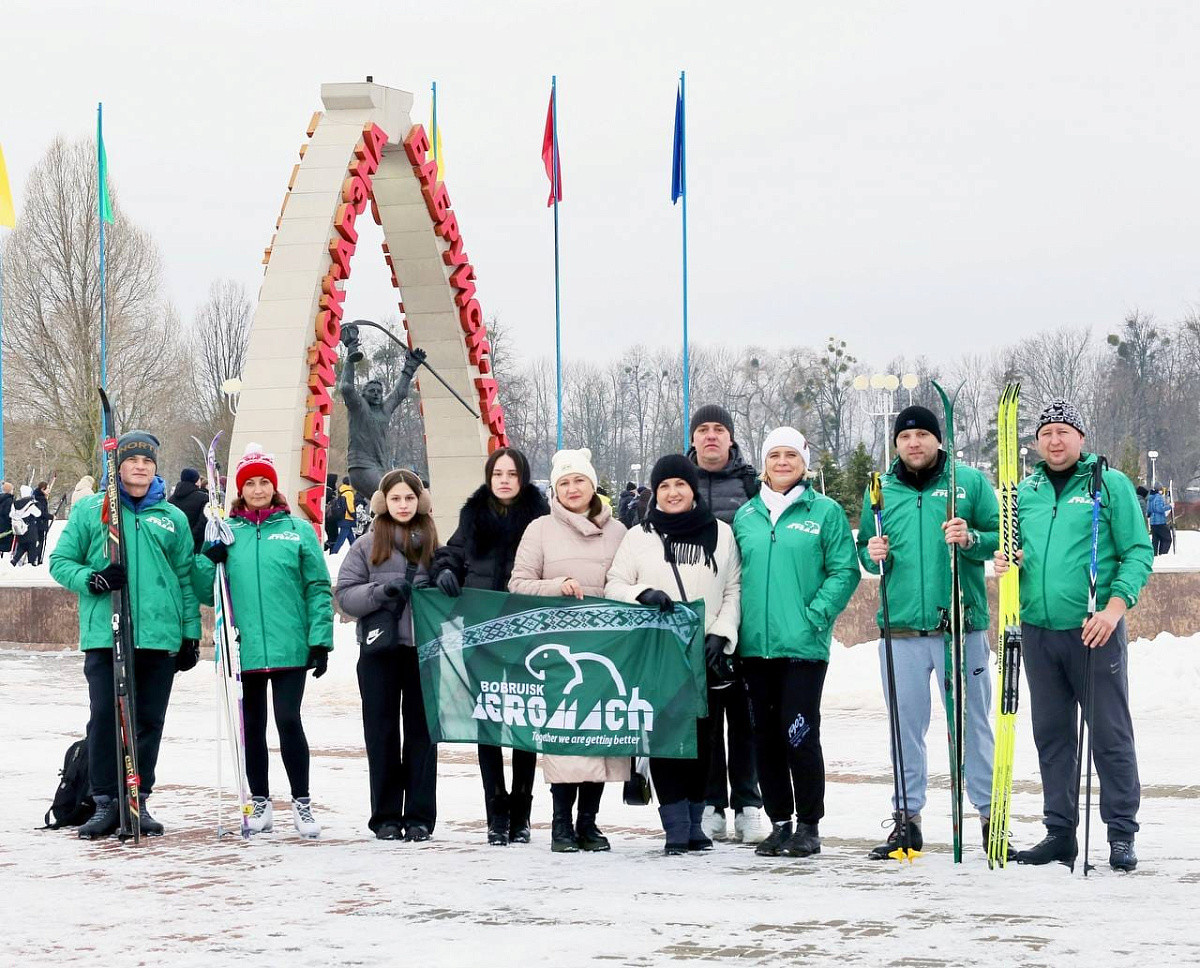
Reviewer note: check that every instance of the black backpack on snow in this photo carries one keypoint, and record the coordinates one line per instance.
(72, 806)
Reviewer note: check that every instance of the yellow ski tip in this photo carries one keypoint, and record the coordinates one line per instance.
(909, 855)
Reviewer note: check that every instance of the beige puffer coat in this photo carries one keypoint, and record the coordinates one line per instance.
(556, 547)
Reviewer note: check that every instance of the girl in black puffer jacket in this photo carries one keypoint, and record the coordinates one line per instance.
(480, 554)
(375, 585)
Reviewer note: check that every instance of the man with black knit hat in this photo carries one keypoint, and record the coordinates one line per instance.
(726, 482)
(191, 499)
(915, 545)
(157, 577)
(1054, 505)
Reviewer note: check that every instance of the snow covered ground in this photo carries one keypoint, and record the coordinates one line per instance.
(347, 899)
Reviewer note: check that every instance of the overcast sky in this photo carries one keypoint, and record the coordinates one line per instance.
(915, 177)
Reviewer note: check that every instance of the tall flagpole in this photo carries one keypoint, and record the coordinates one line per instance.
(434, 133)
(555, 177)
(100, 166)
(687, 407)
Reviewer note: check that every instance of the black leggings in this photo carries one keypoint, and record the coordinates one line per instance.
(563, 795)
(287, 692)
(785, 710)
(676, 780)
(491, 769)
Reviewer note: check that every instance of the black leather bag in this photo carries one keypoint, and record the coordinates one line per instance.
(636, 790)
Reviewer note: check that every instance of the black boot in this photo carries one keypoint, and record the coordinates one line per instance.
(804, 842)
(105, 820)
(1011, 852)
(588, 835)
(1121, 856)
(497, 817)
(677, 823)
(1058, 845)
(773, 845)
(895, 840)
(520, 805)
(150, 826)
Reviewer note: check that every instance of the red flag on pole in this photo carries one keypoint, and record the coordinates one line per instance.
(550, 156)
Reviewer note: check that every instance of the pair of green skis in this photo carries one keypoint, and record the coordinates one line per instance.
(1009, 665)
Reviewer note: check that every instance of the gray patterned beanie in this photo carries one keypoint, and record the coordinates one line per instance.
(1063, 412)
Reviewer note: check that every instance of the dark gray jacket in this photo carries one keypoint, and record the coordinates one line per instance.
(360, 584)
(726, 490)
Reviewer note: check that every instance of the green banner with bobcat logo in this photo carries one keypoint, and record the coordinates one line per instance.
(561, 675)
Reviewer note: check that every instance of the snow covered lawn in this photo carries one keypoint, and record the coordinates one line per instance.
(347, 899)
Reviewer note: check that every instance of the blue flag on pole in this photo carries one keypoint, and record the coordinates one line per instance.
(678, 163)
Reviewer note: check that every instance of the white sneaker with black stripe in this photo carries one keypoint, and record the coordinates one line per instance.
(302, 817)
(261, 816)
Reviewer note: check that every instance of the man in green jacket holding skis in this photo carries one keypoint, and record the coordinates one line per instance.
(915, 545)
(1054, 506)
(157, 577)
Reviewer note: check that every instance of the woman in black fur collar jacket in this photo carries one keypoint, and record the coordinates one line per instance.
(480, 554)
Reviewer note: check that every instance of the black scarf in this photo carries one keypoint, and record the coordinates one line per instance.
(688, 536)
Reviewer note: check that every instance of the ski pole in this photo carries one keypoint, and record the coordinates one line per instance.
(899, 780)
(1085, 711)
(390, 335)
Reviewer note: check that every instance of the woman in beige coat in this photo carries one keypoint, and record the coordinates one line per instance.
(568, 553)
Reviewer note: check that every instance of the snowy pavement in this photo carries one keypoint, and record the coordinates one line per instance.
(347, 899)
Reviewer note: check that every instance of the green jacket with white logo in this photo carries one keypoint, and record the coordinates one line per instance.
(1056, 537)
(797, 576)
(158, 566)
(918, 564)
(280, 589)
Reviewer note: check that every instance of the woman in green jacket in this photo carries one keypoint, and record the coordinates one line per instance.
(282, 605)
(798, 572)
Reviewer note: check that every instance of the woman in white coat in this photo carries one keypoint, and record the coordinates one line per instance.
(568, 553)
(680, 533)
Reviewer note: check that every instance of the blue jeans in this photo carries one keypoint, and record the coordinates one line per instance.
(916, 660)
(345, 533)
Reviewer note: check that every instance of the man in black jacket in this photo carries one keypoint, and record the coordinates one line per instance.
(726, 483)
(6, 532)
(191, 499)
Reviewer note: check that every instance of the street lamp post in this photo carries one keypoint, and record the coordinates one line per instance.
(1024, 454)
(1153, 455)
(885, 386)
(637, 473)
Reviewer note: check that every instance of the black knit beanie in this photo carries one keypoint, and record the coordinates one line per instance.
(710, 413)
(675, 465)
(189, 475)
(916, 418)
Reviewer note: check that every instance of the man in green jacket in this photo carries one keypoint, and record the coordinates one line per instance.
(157, 577)
(1054, 505)
(915, 544)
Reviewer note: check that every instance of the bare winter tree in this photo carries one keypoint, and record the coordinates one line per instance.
(52, 311)
(220, 337)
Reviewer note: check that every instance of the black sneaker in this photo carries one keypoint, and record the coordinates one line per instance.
(389, 831)
(1011, 852)
(1121, 856)
(417, 833)
(588, 836)
(773, 845)
(1057, 846)
(895, 840)
(562, 836)
(150, 826)
(804, 842)
(105, 820)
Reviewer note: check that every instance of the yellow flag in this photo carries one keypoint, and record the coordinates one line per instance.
(437, 150)
(8, 215)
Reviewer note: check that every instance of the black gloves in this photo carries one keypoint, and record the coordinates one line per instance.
(447, 581)
(188, 655)
(397, 592)
(652, 596)
(721, 669)
(415, 358)
(217, 553)
(109, 579)
(318, 660)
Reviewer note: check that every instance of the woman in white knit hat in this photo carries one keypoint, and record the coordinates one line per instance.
(568, 553)
(799, 569)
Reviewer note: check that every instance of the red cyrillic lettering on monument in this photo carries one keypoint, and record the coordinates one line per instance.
(356, 190)
(328, 328)
(455, 254)
(416, 145)
(314, 463)
(314, 428)
(340, 251)
(470, 317)
(437, 199)
(333, 300)
(374, 138)
(447, 228)
(310, 500)
(463, 279)
(344, 222)
(318, 396)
